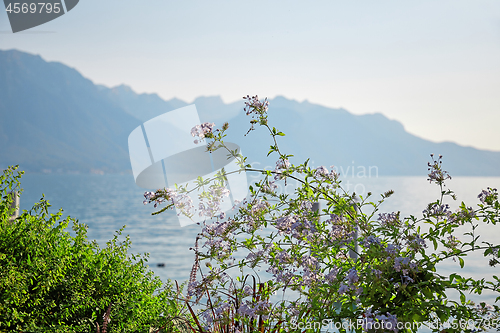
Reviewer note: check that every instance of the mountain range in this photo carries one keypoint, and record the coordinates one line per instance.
(52, 118)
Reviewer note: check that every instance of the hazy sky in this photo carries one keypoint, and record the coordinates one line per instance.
(432, 65)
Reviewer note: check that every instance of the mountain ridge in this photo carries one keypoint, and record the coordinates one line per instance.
(52, 117)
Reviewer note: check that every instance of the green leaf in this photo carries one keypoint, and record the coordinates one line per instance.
(461, 262)
(462, 297)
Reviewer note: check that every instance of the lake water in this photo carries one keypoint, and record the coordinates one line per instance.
(107, 202)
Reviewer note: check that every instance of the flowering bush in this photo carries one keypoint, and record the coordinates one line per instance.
(346, 267)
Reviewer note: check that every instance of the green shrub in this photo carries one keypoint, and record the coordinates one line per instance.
(51, 281)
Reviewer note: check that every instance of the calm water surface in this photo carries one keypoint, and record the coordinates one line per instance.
(108, 202)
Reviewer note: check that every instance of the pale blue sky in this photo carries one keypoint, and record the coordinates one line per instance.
(433, 65)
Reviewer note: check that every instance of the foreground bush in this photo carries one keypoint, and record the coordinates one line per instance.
(344, 268)
(51, 281)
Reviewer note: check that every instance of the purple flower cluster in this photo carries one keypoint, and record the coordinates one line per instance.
(323, 173)
(253, 309)
(388, 219)
(343, 288)
(285, 223)
(255, 256)
(377, 272)
(281, 164)
(202, 130)
(253, 105)
(340, 233)
(352, 276)
(404, 264)
(415, 243)
(211, 207)
(180, 201)
(436, 173)
(438, 211)
(462, 215)
(269, 187)
(375, 321)
(371, 240)
(352, 279)
(488, 196)
(215, 314)
(392, 249)
(150, 197)
(296, 226)
(331, 277)
(452, 242)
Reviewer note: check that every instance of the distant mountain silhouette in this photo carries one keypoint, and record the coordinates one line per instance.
(54, 118)
(51, 117)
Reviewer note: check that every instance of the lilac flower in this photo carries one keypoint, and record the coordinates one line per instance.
(452, 242)
(285, 223)
(149, 196)
(211, 207)
(293, 309)
(391, 323)
(281, 164)
(388, 219)
(437, 211)
(246, 311)
(370, 240)
(283, 256)
(251, 310)
(368, 320)
(377, 272)
(218, 228)
(253, 105)
(259, 207)
(352, 276)
(306, 205)
(202, 130)
(392, 249)
(462, 215)
(262, 254)
(399, 262)
(339, 231)
(321, 172)
(416, 243)
(310, 276)
(309, 262)
(436, 174)
(281, 275)
(247, 290)
(343, 288)
(406, 279)
(488, 196)
(269, 187)
(332, 275)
